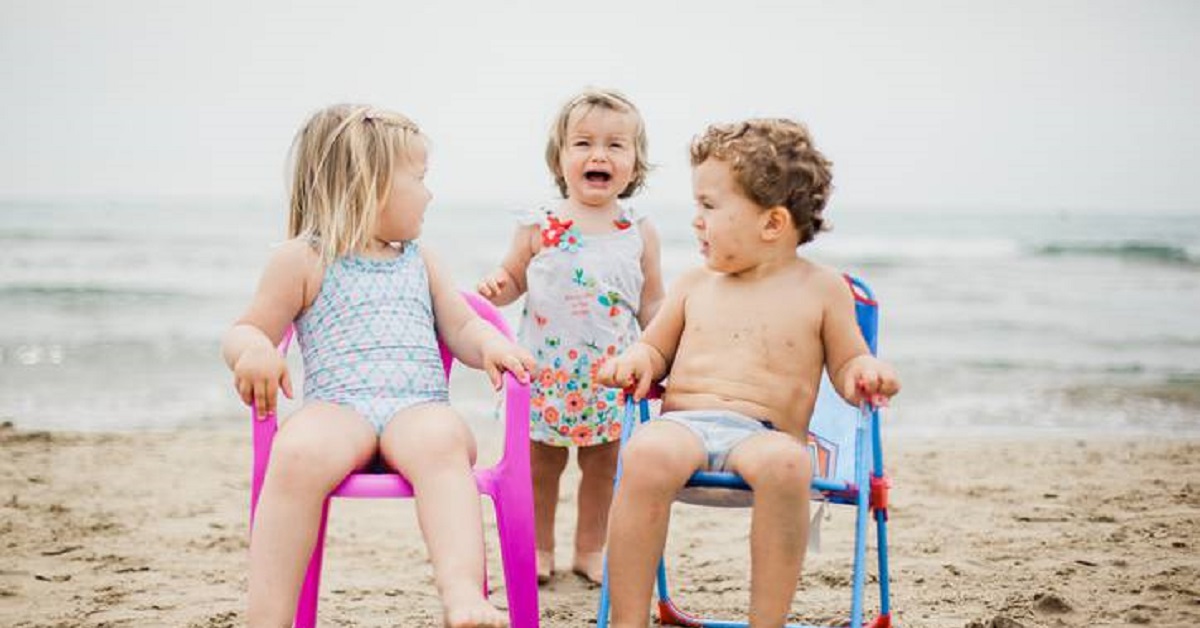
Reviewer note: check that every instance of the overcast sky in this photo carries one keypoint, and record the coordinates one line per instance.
(1023, 105)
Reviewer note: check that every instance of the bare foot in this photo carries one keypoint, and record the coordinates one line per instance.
(590, 565)
(468, 609)
(545, 566)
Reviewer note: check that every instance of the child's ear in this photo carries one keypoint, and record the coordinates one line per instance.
(776, 221)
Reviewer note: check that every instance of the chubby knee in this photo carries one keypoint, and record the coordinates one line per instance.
(447, 438)
(428, 434)
(548, 459)
(659, 458)
(642, 452)
(307, 463)
(779, 463)
(599, 460)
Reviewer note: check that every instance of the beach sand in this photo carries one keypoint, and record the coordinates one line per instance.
(149, 529)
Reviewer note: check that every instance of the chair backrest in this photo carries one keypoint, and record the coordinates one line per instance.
(831, 439)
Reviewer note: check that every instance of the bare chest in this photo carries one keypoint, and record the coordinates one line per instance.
(760, 326)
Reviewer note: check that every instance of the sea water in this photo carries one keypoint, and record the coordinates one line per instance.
(111, 312)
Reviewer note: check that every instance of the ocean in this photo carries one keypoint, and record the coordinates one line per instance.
(111, 312)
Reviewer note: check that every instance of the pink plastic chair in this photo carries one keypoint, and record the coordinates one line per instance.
(508, 483)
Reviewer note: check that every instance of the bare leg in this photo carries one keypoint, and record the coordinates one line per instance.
(657, 462)
(312, 452)
(546, 463)
(598, 464)
(435, 450)
(777, 467)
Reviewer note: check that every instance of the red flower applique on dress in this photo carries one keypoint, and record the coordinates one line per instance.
(560, 234)
(553, 231)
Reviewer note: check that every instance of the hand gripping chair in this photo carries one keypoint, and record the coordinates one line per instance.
(844, 444)
(508, 483)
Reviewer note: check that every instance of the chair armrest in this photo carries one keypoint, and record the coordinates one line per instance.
(263, 432)
(516, 394)
(516, 423)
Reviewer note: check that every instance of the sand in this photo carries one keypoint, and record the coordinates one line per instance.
(1045, 529)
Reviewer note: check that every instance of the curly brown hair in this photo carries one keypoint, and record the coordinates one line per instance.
(775, 164)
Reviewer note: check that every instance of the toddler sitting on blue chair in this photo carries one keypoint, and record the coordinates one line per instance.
(744, 340)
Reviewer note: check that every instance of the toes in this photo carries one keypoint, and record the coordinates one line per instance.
(590, 566)
(483, 615)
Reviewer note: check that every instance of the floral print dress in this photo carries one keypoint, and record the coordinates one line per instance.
(581, 308)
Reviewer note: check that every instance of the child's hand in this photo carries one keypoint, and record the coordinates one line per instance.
(259, 374)
(500, 356)
(634, 367)
(491, 286)
(870, 379)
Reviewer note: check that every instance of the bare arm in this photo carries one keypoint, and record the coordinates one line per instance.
(507, 283)
(249, 346)
(854, 372)
(649, 359)
(470, 338)
(652, 285)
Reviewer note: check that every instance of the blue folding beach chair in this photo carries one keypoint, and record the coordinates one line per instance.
(844, 444)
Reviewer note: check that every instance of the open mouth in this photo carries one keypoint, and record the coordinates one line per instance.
(597, 176)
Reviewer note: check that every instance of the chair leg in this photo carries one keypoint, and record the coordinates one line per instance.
(602, 607)
(668, 613)
(310, 592)
(514, 523)
(862, 514)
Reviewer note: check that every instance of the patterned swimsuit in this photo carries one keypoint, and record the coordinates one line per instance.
(581, 307)
(368, 340)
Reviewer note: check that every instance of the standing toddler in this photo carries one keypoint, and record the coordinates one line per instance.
(590, 269)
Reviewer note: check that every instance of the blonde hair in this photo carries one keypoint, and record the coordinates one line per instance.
(775, 164)
(342, 164)
(589, 99)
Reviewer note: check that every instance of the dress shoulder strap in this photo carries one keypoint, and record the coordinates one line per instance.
(535, 216)
(631, 212)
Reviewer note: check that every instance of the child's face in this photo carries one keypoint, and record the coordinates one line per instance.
(727, 223)
(403, 209)
(598, 155)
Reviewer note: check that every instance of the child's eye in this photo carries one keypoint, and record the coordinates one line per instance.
(616, 145)
(581, 143)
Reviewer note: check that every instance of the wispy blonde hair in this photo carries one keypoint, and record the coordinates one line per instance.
(588, 100)
(775, 164)
(342, 164)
